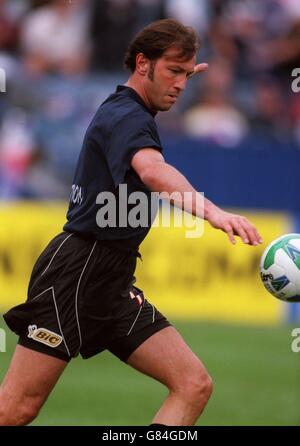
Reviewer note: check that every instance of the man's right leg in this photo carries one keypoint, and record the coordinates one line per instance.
(27, 384)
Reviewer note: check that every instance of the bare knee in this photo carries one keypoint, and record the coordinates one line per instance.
(198, 388)
(204, 386)
(194, 386)
(18, 411)
(28, 411)
(24, 415)
(19, 416)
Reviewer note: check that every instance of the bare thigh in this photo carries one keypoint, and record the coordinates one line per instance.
(30, 377)
(166, 357)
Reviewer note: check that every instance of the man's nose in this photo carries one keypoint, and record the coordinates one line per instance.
(180, 84)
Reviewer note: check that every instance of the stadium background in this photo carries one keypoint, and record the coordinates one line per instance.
(235, 134)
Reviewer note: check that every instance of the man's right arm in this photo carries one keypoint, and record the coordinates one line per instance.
(160, 177)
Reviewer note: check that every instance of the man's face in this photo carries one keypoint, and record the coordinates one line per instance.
(166, 79)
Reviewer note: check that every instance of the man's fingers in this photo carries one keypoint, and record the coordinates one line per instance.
(199, 69)
(237, 225)
(252, 232)
(228, 229)
(248, 233)
(258, 236)
(254, 236)
(241, 232)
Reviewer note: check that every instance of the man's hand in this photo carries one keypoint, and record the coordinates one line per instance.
(198, 69)
(233, 225)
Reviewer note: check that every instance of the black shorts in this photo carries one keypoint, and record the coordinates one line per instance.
(81, 299)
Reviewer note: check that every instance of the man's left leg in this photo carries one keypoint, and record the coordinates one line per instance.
(166, 357)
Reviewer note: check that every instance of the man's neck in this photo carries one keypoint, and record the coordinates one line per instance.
(138, 87)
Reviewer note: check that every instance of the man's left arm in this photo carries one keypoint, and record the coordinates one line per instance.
(160, 177)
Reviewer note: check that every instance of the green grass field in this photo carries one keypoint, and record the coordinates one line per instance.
(256, 381)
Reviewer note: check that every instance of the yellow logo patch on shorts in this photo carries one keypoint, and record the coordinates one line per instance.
(44, 336)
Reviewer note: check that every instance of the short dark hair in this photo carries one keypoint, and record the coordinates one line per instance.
(159, 36)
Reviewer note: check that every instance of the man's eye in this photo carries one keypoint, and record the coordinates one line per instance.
(174, 71)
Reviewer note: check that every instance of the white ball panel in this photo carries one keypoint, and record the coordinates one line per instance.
(288, 266)
(295, 242)
(288, 291)
(275, 269)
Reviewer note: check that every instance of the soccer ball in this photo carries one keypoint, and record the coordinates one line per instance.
(280, 268)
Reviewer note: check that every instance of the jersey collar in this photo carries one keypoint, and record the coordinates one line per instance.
(135, 96)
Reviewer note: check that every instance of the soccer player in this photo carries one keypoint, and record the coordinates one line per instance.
(81, 296)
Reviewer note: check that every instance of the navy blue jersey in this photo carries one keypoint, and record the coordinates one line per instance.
(122, 125)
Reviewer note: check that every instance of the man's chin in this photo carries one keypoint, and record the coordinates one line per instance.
(165, 107)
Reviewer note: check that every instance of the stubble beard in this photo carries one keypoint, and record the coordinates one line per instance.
(151, 78)
(151, 70)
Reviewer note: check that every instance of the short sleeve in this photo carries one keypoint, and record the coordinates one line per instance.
(132, 133)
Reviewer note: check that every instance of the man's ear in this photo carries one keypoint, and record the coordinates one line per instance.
(142, 64)
(145, 68)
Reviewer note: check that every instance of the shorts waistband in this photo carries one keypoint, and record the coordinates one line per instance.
(119, 245)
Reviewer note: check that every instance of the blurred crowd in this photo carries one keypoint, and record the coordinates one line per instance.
(62, 58)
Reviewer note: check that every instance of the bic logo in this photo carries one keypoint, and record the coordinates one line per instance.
(44, 336)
